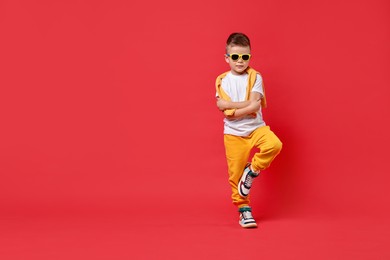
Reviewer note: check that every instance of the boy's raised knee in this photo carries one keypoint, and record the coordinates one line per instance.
(277, 146)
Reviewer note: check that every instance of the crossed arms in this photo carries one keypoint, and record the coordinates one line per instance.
(243, 108)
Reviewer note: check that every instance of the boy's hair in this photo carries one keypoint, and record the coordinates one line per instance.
(238, 39)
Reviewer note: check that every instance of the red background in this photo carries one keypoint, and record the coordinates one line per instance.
(111, 143)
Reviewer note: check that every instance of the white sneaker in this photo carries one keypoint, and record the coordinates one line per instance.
(246, 218)
(246, 180)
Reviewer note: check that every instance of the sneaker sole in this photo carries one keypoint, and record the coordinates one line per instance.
(240, 192)
(249, 225)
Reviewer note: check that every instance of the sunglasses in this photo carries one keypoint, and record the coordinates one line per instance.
(235, 56)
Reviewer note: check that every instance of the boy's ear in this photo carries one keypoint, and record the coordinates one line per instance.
(226, 58)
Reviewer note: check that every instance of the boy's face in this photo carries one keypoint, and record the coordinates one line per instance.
(239, 66)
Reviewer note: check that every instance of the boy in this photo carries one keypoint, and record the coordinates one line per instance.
(240, 95)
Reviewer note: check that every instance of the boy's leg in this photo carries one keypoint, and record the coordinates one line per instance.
(237, 154)
(269, 145)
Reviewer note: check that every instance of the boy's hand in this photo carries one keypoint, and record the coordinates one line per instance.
(222, 104)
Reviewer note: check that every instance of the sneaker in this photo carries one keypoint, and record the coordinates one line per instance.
(246, 219)
(245, 183)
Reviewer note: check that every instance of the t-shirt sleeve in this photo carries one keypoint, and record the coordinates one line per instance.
(258, 87)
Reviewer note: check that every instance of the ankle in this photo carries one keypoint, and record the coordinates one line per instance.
(244, 208)
(252, 170)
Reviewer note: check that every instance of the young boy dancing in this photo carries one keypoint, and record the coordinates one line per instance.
(240, 95)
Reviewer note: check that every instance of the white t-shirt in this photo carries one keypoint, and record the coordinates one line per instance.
(235, 87)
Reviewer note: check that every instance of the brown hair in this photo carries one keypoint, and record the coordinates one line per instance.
(238, 39)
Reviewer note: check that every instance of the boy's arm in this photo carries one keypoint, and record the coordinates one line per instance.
(253, 105)
(223, 104)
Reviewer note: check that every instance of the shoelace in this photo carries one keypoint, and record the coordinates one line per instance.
(247, 215)
(248, 181)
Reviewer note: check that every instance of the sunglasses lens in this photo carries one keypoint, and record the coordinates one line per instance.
(234, 56)
(245, 57)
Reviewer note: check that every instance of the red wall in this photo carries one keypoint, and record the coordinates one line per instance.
(109, 104)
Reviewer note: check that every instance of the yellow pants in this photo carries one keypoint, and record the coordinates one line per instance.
(238, 150)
